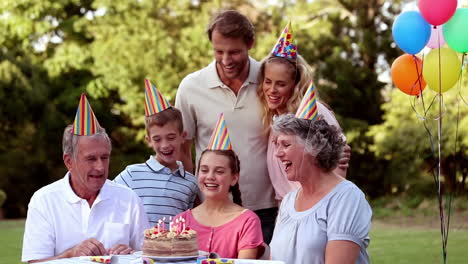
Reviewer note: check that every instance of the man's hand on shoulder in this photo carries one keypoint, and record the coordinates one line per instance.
(343, 163)
(89, 247)
(120, 249)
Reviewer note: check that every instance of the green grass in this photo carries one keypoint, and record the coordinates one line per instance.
(389, 244)
(393, 244)
(11, 241)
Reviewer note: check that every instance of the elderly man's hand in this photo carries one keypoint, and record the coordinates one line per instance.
(89, 247)
(120, 249)
(345, 157)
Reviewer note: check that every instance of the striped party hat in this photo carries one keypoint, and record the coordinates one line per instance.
(85, 123)
(308, 107)
(285, 46)
(220, 138)
(154, 100)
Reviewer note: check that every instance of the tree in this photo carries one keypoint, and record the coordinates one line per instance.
(411, 150)
(349, 43)
(52, 51)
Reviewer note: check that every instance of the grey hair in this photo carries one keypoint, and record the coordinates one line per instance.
(70, 140)
(321, 140)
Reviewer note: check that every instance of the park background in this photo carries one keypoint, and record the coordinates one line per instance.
(53, 50)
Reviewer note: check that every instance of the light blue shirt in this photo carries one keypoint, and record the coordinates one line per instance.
(302, 237)
(164, 193)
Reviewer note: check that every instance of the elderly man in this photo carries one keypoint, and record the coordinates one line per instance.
(83, 214)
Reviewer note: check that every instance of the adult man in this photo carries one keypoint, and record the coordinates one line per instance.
(228, 85)
(83, 214)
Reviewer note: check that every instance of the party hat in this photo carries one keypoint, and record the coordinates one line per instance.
(220, 138)
(308, 107)
(85, 123)
(154, 100)
(285, 46)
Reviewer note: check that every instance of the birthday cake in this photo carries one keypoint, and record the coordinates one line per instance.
(178, 240)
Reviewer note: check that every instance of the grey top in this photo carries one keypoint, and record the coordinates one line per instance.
(302, 237)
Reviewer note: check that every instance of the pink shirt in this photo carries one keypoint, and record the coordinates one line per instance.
(278, 177)
(243, 232)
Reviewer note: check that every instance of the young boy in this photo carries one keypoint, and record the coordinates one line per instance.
(163, 185)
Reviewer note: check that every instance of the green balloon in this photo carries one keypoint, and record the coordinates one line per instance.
(456, 31)
(449, 67)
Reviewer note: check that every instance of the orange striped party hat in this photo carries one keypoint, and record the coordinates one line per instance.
(285, 47)
(308, 107)
(220, 138)
(85, 123)
(154, 100)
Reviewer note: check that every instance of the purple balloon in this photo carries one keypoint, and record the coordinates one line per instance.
(437, 39)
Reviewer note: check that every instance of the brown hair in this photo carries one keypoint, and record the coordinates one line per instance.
(300, 72)
(234, 165)
(162, 118)
(232, 24)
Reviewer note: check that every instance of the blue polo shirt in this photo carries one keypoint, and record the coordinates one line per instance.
(163, 193)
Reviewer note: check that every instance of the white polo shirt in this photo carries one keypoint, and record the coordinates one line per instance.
(201, 97)
(58, 219)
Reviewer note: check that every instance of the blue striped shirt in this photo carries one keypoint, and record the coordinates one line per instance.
(163, 193)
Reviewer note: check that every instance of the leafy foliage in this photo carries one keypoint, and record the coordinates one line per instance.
(408, 140)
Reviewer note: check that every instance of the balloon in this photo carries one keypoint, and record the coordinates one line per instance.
(405, 71)
(437, 38)
(411, 32)
(437, 12)
(456, 31)
(450, 66)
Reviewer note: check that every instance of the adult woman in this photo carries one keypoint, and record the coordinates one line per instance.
(326, 220)
(284, 79)
(223, 226)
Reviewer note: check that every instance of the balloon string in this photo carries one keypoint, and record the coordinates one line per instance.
(419, 75)
(418, 81)
(461, 78)
(450, 198)
(439, 189)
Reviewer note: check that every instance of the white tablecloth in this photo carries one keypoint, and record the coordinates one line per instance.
(116, 259)
(127, 259)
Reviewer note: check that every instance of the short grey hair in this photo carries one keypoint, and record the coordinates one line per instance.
(321, 140)
(70, 140)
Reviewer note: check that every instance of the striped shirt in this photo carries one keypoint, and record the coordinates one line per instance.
(163, 193)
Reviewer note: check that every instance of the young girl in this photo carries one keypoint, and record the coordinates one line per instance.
(284, 78)
(223, 226)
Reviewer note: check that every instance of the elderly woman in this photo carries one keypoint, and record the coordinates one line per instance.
(326, 220)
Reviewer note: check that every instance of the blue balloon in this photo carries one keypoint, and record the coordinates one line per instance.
(411, 32)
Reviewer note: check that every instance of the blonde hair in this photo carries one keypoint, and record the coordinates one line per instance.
(300, 71)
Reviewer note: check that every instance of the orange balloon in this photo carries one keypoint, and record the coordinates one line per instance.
(407, 74)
